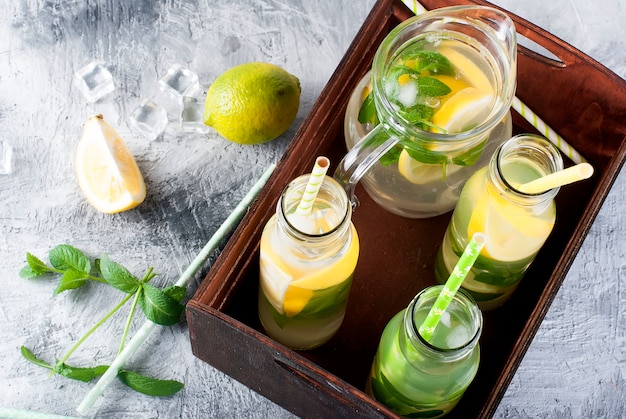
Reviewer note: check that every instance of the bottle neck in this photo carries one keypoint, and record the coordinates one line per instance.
(455, 336)
(326, 230)
(511, 164)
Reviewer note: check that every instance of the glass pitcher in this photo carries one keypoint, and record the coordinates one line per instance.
(432, 111)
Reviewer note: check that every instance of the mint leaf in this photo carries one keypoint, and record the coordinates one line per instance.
(70, 280)
(30, 357)
(391, 157)
(424, 155)
(429, 86)
(117, 276)
(64, 257)
(367, 113)
(80, 373)
(431, 61)
(158, 306)
(148, 385)
(175, 292)
(34, 268)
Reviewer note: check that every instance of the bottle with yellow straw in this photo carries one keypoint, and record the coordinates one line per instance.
(429, 353)
(512, 202)
(308, 254)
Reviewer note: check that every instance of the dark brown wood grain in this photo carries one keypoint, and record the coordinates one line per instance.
(579, 98)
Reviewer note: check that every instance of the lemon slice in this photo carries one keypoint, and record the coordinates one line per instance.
(510, 236)
(467, 69)
(275, 275)
(300, 291)
(467, 108)
(420, 173)
(107, 173)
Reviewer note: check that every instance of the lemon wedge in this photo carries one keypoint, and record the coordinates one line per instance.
(420, 173)
(107, 172)
(467, 108)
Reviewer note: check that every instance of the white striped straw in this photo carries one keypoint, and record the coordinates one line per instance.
(524, 110)
(144, 331)
(313, 186)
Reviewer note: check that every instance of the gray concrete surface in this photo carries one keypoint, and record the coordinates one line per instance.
(574, 368)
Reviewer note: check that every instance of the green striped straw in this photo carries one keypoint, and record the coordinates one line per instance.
(313, 186)
(144, 331)
(452, 285)
(524, 110)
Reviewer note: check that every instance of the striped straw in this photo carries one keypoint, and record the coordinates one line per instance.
(548, 132)
(524, 110)
(452, 285)
(144, 331)
(313, 186)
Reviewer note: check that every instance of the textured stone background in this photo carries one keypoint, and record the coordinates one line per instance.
(575, 366)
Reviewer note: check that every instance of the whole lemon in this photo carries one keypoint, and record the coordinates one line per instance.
(252, 103)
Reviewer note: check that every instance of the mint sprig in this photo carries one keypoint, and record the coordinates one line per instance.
(160, 305)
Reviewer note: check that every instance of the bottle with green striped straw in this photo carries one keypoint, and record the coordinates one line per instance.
(429, 353)
(308, 254)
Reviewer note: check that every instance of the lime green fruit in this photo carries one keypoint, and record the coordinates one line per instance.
(252, 103)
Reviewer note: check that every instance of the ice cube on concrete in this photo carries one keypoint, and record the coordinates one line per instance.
(191, 115)
(94, 81)
(180, 81)
(149, 119)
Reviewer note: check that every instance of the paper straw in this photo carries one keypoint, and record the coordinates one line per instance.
(554, 180)
(12, 413)
(524, 110)
(548, 132)
(452, 285)
(143, 333)
(313, 186)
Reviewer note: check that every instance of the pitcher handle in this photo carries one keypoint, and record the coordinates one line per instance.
(361, 158)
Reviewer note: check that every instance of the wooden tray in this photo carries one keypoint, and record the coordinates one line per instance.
(579, 98)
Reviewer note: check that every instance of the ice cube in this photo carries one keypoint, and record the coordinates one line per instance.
(149, 119)
(6, 158)
(94, 81)
(180, 81)
(191, 115)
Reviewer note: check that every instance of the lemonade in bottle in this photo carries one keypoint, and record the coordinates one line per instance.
(516, 224)
(306, 265)
(426, 379)
(433, 109)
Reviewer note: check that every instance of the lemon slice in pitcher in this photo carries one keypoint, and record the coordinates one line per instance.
(420, 173)
(466, 109)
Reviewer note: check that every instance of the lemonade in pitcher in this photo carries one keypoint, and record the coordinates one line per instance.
(307, 264)
(437, 102)
(516, 224)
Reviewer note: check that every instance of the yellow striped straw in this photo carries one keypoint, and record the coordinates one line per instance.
(524, 110)
(313, 186)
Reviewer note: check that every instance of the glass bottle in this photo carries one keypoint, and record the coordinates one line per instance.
(416, 378)
(516, 224)
(307, 265)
